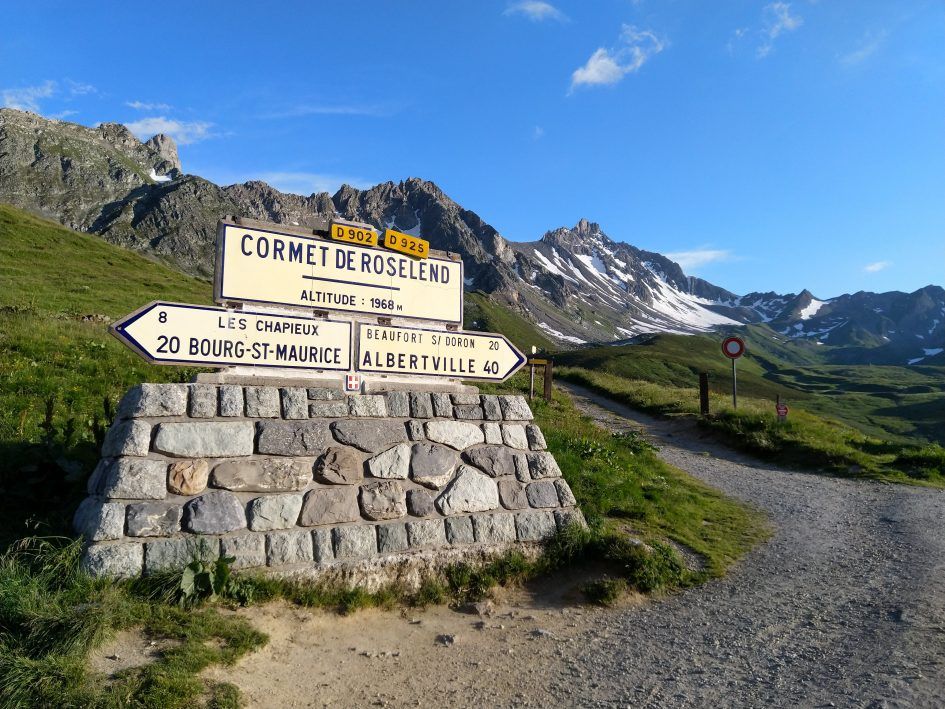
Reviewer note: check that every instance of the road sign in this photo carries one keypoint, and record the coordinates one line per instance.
(266, 266)
(352, 382)
(354, 233)
(782, 410)
(733, 347)
(406, 243)
(464, 355)
(175, 333)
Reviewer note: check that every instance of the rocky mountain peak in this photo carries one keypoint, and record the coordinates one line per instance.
(118, 135)
(165, 146)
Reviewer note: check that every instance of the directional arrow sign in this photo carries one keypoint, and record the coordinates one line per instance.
(464, 355)
(175, 333)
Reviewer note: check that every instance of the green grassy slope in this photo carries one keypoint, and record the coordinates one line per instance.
(58, 292)
(482, 313)
(899, 404)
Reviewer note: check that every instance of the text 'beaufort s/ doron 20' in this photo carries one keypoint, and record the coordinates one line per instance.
(255, 265)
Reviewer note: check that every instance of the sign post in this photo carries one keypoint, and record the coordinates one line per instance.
(733, 348)
(176, 333)
(781, 410)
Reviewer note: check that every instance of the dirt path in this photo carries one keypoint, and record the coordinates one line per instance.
(845, 606)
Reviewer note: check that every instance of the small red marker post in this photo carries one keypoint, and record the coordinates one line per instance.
(733, 348)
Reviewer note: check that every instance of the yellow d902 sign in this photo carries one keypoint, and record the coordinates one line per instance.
(406, 244)
(356, 234)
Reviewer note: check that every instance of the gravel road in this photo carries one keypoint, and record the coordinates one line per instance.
(844, 606)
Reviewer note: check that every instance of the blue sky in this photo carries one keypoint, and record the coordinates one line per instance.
(767, 145)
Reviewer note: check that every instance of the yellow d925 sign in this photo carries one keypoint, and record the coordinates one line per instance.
(354, 233)
(406, 244)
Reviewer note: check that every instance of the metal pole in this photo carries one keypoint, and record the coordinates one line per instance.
(734, 387)
(531, 382)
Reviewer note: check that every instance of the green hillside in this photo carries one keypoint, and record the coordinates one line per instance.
(482, 313)
(900, 404)
(59, 290)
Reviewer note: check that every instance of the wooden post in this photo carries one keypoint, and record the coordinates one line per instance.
(704, 394)
(548, 376)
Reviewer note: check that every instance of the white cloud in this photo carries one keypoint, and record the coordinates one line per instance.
(145, 106)
(306, 183)
(536, 11)
(778, 20)
(877, 266)
(608, 66)
(77, 88)
(689, 260)
(27, 98)
(538, 133)
(184, 132)
(327, 110)
(867, 48)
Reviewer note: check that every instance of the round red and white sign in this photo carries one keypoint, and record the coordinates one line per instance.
(733, 347)
(782, 409)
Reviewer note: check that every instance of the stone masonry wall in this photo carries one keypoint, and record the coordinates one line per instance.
(304, 480)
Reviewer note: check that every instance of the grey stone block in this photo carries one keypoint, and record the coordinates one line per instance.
(99, 521)
(173, 554)
(131, 437)
(383, 500)
(471, 413)
(426, 534)
(135, 479)
(521, 468)
(515, 408)
(535, 526)
(188, 477)
(470, 491)
(542, 494)
(321, 545)
(262, 402)
(152, 519)
(420, 503)
(96, 481)
(270, 512)
(293, 438)
(442, 405)
(117, 561)
(292, 547)
(330, 505)
(205, 439)
(456, 434)
(247, 550)
(536, 439)
(512, 495)
(231, 400)
(415, 431)
(323, 394)
(542, 465)
(339, 465)
(495, 461)
(491, 410)
(372, 405)
(262, 475)
(465, 399)
(493, 433)
(355, 541)
(565, 518)
(215, 512)
(392, 538)
(328, 409)
(203, 401)
(494, 529)
(513, 435)
(421, 405)
(371, 436)
(154, 400)
(394, 463)
(294, 403)
(431, 465)
(459, 530)
(565, 496)
(398, 404)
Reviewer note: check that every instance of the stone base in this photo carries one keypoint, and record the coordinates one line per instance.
(311, 482)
